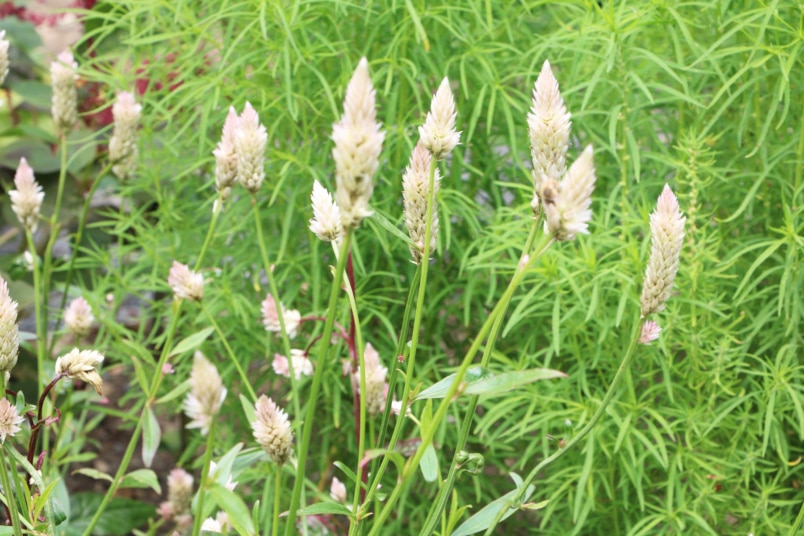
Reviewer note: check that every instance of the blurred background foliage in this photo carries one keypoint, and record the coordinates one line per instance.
(706, 435)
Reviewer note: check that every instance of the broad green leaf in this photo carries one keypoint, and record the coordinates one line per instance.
(192, 342)
(235, 508)
(141, 478)
(486, 515)
(151, 436)
(120, 517)
(440, 389)
(508, 381)
(429, 464)
(248, 409)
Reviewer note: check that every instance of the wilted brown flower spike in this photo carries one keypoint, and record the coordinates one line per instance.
(123, 148)
(272, 430)
(64, 104)
(438, 133)
(415, 192)
(206, 394)
(27, 199)
(9, 331)
(82, 365)
(358, 143)
(667, 235)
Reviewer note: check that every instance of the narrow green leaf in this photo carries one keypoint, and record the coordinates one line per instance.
(328, 507)
(191, 342)
(141, 478)
(508, 381)
(429, 464)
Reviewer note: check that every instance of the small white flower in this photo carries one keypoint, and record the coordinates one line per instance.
(549, 130)
(123, 150)
(9, 420)
(64, 104)
(250, 139)
(302, 366)
(78, 317)
(667, 235)
(82, 365)
(567, 205)
(9, 330)
(27, 199)
(272, 430)
(270, 317)
(376, 386)
(650, 332)
(226, 157)
(337, 490)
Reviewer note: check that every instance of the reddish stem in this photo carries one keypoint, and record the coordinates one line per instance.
(35, 428)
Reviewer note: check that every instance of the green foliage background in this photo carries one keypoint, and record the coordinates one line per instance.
(707, 431)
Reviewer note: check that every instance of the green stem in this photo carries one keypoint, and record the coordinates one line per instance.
(77, 241)
(417, 321)
(427, 435)
(210, 233)
(444, 491)
(10, 499)
(361, 443)
(202, 489)
(612, 391)
(132, 443)
(275, 294)
(41, 335)
(312, 400)
(243, 376)
(275, 517)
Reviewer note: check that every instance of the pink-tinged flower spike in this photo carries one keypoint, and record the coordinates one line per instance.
(226, 157)
(358, 143)
(82, 365)
(302, 366)
(9, 420)
(337, 490)
(438, 133)
(650, 332)
(272, 430)
(185, 283)
(667, 234)
(64, 104)
(78, 317)
(326, 222)
(3, 56)
(566, 205)
(249, 146)
(123, 150)
(27, 199)
(270, 317)
(206, 394)
(376, 387)
(549, 131)
(9, 330)
(180, 496)
(415, 192)
(219, 524)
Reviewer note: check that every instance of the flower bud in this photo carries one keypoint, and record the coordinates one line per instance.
(438, 133)
(78, 317)
(270, 317)
(337, 490)
(64, 104)
(123, 148)
(82, 365)
(272, 430)
(185, 283)
(27, 199)
(9, 420)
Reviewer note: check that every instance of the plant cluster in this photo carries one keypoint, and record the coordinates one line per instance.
(577, 338)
